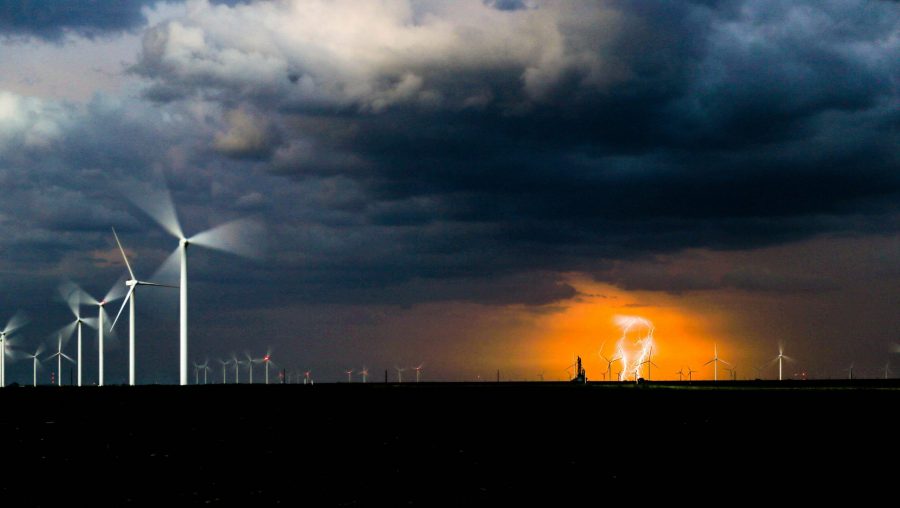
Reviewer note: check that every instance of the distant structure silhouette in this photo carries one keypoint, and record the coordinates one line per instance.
(580, 374)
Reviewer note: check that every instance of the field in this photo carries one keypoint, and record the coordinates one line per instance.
(458, 444)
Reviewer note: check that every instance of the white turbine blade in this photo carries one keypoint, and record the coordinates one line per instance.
(154, 284)
(709, 362)
(244, 237)
(127, 264)
(71, 294)
(17, 321)
(157, 203)
(116, 291)
(67, 357)
(66, 332)
(170, 269)
(92, 322)
(15, 355)
(788, 358)
(726, 363)
(124, 303)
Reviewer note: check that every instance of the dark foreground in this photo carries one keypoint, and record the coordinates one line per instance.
(504, 444)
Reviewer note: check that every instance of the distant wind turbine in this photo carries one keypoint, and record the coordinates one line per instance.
(59, 357)
(132, 284)
(17, 321)
(364, 373)
(349, 375)
(680, 374)
(224, 367)
(648, 362)
(780, 358)
(237, 237)
(716, 361)
(418, 371)
(690, 374)
(74, 297)
(36, 363)
(267, 360)
(608, 362)
(399, 374)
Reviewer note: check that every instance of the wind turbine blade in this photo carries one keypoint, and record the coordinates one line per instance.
(157, 203)
(66, 331)
(16, 355)
(788, 358)
(17, 321)
(127, 264)
(67, 357)
(92, 322)
(709, 362)
(71, 294)
(726, 363)
(170, 269)
(244, 237)
(157, 285)
(116, 291)
(124, 303)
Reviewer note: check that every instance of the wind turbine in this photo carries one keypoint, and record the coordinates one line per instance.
(649, 362)
(237, 365)
(690, 374)
(132, 284)
(733, 373)
(541, 375)
(364, 373)
(399, 374)
(418, 371)
(74, 295)
(850, 370)
(680, 374)
(887, 369)
(36, 363)
(196, 373)
(224, 366)
(17, 321)
(250, 362)
(59, 357)
(781, 356)
(267, 360)
(349, 375)
(608, 362)
(206, 369)
(716, 360)
(232, 237)
(307, 377)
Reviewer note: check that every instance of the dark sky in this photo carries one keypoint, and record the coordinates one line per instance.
(440, 180)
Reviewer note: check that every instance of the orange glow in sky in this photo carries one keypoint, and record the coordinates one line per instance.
(683, 338)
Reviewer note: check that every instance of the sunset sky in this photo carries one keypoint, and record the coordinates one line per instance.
(473, 184)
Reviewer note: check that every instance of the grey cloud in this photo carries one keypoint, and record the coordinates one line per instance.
(51, 20)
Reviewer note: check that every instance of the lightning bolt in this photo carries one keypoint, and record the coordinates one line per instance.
(634, 345)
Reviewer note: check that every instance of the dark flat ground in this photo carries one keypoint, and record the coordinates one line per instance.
(443, 443)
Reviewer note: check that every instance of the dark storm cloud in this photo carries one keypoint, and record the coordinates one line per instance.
(50, 19)
(560, 136)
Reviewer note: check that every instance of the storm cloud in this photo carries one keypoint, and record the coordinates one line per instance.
(561, 134)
